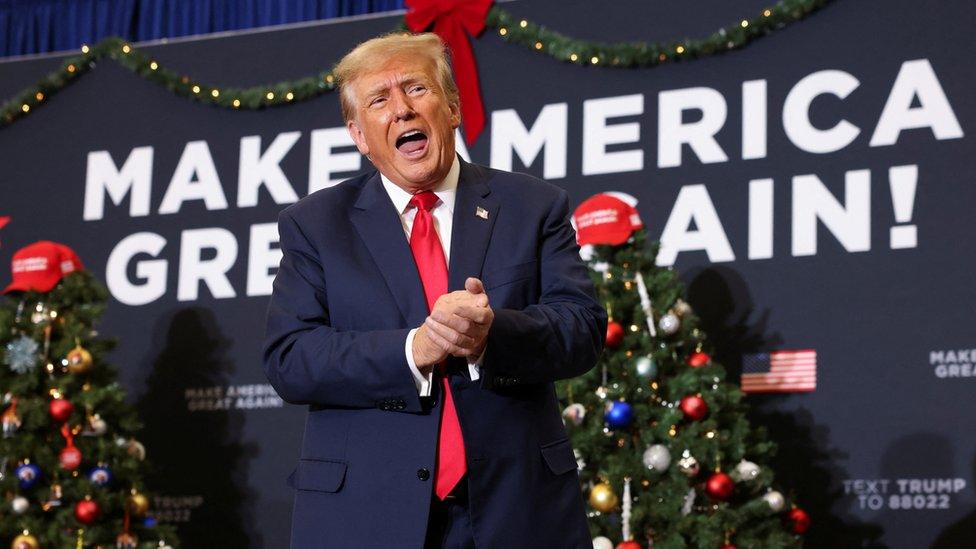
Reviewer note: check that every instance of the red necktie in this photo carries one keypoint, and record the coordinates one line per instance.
(429, 256)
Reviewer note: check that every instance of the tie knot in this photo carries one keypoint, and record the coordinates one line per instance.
(424, 200)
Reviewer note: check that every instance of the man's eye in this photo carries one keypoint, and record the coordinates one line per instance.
(418, 89)
(377, 102)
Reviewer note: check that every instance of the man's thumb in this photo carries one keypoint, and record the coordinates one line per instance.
(474, 285)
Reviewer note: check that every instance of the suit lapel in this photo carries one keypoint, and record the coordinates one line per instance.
(378, 223)
(475, 212)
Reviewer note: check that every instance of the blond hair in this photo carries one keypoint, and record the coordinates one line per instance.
(374, 52)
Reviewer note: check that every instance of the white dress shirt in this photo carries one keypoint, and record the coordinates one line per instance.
(443, 214)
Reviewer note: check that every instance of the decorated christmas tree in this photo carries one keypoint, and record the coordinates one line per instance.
(70, 465)
(666, 454)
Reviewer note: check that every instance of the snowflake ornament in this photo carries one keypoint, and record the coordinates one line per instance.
(21, 354)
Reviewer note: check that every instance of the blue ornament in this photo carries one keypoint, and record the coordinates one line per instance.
(100, 476)
(28, 474)
(149, 521)
(21, 354)
(619, 415)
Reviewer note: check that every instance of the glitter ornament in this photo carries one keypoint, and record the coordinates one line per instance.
(657, 458)
(669, 323)
(19, 505)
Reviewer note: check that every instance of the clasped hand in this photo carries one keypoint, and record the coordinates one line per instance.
(458, 326)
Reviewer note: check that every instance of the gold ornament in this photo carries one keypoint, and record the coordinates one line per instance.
(602, 498)
(79, 360)
(25, 541)
(138, 504)
(136, 449)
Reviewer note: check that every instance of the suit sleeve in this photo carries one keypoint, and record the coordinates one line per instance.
(307, 361)
(562, 335)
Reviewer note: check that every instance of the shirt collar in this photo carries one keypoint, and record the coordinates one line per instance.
(446, 190)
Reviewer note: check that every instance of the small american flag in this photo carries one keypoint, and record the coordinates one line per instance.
(780, 371)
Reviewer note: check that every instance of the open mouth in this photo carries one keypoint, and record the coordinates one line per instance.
(412, 143)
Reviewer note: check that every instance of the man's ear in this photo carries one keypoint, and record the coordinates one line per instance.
(358, 137)
(455, 115)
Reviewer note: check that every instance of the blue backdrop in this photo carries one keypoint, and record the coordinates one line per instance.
(815, 190)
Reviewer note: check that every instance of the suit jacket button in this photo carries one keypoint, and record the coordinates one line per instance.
(423, 474)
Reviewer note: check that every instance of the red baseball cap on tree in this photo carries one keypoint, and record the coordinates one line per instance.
(40, 266)
(605, 218)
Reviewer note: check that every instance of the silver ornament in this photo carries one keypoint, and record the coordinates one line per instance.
(580, 462)
(646, 367)
(601, 542)
(19, 505)
(657, 458)
(688, 464)
(669, 323)
(21, 355)
(745, 470)
(575, 413)
(775, 500)
(688, 503)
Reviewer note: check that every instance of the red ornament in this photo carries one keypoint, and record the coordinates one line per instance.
(629, 544)
(727, 546)
(87, 511)
(60, 409)
(615, 334)
(799, 519)
(719, 486)
(694, 407)
(70, 457)
(699, 359)
(453, 21)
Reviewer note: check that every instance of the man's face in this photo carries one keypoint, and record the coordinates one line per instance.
(403, 122)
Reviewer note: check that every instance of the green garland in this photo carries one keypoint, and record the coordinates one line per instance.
(510, 28)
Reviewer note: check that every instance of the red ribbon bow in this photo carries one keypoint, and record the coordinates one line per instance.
(452, 20)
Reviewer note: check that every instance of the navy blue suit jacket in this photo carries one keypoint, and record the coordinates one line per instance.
(345, 296)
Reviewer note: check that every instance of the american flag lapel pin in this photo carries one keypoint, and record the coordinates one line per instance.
(481, 212)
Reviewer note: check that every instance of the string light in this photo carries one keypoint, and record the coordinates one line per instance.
(767, 13)
(744, 23)
(237, 103)
(329, 78)
(523, 23)
(538, 45)
(71, 68)
(85, 48)
(662, 57)
(503, 31)
(196, 89)
(680, 49)
(289, 96)
(270, 96)
(154, 65)
(573, 57)
(126, 49)
(40, 97)
(25, 107)
(215, 93)
(594, 60)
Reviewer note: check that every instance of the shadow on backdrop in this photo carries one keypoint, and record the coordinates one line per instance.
(196, 453)
(932, 453)
(805, 462)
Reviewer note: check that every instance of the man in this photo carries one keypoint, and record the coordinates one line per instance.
(422, 312)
